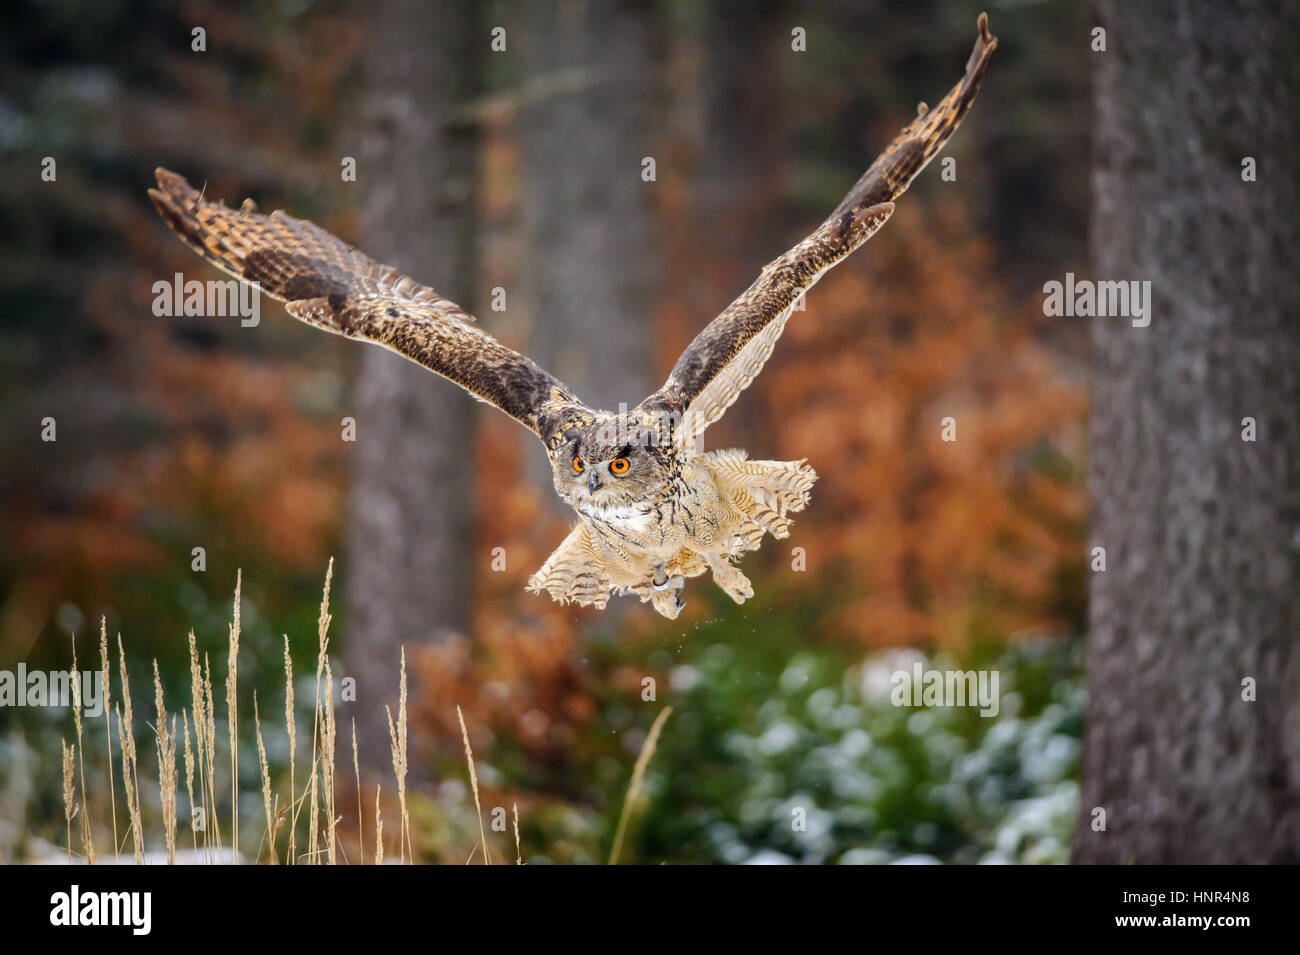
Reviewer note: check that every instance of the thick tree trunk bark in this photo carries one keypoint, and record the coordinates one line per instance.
(406, 571)
(1201, 528)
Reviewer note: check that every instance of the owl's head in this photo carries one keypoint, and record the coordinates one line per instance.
(609, 466)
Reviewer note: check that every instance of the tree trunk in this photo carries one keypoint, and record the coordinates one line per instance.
(1202, 586)
(409, 531)
(590, 234)
(738, 222)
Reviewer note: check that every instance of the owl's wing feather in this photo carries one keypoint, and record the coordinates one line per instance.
(325, 282)
(728, 354)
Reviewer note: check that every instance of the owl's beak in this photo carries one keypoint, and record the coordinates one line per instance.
(593, 482)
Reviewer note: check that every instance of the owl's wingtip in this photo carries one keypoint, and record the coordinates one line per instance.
(171, 183)
(987, 39)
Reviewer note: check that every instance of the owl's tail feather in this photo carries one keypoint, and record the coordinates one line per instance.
(572, 574)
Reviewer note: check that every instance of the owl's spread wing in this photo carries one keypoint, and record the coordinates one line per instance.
(729, 353)
(327, 283)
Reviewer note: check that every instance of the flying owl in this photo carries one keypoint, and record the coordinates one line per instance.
(652, 508)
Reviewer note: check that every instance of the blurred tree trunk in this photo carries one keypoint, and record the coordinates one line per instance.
(589, 215)
(743, 138)
(731, 109)
(1202, 587)
(408, 536)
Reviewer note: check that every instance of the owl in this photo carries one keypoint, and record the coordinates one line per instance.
(652, 509)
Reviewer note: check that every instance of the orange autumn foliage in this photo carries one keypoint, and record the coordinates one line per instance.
(918, 539)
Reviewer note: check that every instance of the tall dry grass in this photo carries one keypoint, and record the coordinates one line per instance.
(232, 713)
(195, 730)
(166, 746)
(87, 842)
(473, 782)
(291, 731)
(634, 787)
(198, 733)
(266, 783)
(397, 737)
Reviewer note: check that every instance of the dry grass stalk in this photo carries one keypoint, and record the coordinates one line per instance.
(379, 829)
(166, 767)
(327, 762)
(519, 859)
(313, 839)
(69, 768)
(189, 779)
(130, 766)
(106, 687)
(356, 768)
(232, 715)
(198, 713)
(205, 744)
(473, 782)
(397, 739)
(290, 725)
(132, 807)
(399, 771)
(401, 730)
(310, 797)
(126, 740)
(634, 787)
(210, 719)
(266, 780)
(87, 842)
(322, 647)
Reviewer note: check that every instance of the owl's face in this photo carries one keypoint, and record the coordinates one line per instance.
(602, 479)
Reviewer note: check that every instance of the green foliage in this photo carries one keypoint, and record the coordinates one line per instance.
(758, 734)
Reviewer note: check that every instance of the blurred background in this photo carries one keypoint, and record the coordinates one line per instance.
(511, 180)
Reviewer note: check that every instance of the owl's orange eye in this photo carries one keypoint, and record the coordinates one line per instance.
(578, 466)
(619, 465)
